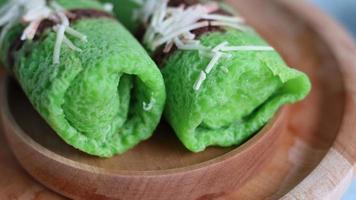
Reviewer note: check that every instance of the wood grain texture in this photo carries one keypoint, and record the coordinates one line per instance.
(328, 181)
(315, 153)
(334, 173)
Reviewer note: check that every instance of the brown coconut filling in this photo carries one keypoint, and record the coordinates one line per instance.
(73, 16)
(159, 55)
(180, 24)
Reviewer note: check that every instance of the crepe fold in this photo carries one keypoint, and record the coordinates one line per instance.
(102, 100)
(236, 98)
(239, 96)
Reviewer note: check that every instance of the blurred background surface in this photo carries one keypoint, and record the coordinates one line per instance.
(345, 12)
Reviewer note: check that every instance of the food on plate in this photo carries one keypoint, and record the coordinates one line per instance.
(223, 81)
(83, 72)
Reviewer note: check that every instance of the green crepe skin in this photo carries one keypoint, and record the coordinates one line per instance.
(239, 96)
(126, 13)
(93, 99)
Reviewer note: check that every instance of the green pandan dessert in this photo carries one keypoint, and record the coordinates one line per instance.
(223, 81)
(83, 72)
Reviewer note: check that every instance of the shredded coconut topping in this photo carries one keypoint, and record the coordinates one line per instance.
(146, 11)
(174, 25)
(200, 81)
(221, 50)
(32, 13)
(171, 26)
(148, 106)
(108, 7)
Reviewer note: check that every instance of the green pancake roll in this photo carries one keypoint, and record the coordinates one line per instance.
(225, 83)
(101, 92)
(239, 96)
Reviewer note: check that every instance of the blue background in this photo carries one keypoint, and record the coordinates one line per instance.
(343, 10)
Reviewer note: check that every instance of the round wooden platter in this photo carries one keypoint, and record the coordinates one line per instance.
(159, 168)
(310, 147)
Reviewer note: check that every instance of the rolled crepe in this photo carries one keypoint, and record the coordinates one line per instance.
(223, 95)
(105, 94)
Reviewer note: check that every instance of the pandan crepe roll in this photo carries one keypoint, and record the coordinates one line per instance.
(84, 73)
(223, 81)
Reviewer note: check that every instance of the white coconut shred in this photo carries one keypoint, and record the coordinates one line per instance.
(31, 13)
(171, 26)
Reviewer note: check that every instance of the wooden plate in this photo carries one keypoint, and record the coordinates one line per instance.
(315, 154)
(161, 163)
